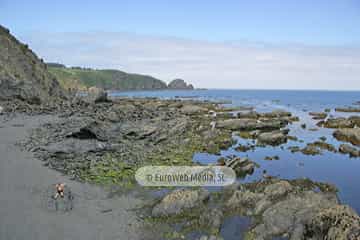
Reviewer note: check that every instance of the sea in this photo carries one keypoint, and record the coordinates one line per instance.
(334, 168)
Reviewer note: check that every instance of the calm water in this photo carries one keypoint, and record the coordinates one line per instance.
(334, 168)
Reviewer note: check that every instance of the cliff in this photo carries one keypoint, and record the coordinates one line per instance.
(23, 75)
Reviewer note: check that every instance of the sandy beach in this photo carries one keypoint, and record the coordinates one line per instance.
(23, 181)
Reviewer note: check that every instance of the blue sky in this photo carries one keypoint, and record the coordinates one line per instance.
(320, 22)
(285, 32)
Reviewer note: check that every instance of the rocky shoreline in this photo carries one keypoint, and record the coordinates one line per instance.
(296, 209)
(104, 141)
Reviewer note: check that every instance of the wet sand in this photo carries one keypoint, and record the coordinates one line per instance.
(23, 182)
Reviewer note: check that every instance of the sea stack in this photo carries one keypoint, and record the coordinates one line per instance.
(180, 84)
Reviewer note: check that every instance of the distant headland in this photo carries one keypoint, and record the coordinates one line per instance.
(110, 79)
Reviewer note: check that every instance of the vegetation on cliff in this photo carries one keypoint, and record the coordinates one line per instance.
(81, 78)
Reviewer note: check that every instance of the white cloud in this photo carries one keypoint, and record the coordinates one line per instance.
(206, 64)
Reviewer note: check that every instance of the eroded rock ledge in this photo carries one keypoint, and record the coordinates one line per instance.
(295, 209)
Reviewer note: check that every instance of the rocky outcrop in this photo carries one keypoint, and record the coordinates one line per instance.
(249, 124)
(180, 84)
(132, 132)
(335, 223)
(295, 209)
(241, 166)
(23, 75)
(351, 135)
(316, 148)
(323, 146)
(279, 114)
(179, 201)
(251, 120)
(310, 150)
(348, 149)
(273, 138)
(340, 122)
(289, 215)
(318, 115)
(347, 109)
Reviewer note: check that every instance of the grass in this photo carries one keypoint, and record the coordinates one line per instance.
(82, 78)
